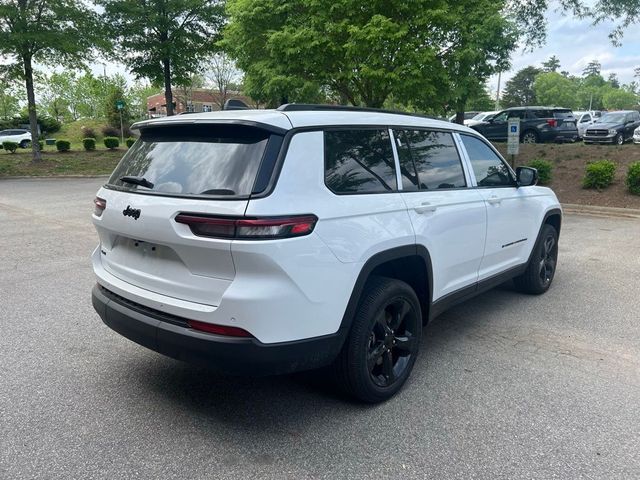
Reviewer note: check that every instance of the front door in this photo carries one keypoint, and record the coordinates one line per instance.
(512, 218)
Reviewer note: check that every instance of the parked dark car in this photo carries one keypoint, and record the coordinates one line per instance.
(613, 127)
(537, 124)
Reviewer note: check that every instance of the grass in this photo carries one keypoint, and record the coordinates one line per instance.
(75, 162)
(72, 131)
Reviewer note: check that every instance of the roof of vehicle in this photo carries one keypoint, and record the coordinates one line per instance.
(621, 111)
(536, 107)
(287, 120)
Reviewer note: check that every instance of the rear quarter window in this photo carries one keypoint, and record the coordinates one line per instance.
(359, 161)
(206, 160)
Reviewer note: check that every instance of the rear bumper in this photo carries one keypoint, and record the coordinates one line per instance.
(561, 137)
(236, 356)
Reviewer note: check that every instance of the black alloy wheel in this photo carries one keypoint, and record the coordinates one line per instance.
(392, 342)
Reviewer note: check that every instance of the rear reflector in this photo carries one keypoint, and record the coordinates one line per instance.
(218, 329)
(248, 228)
(99, 205)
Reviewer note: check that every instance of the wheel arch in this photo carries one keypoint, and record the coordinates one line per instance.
(409, 263)
(552, 217)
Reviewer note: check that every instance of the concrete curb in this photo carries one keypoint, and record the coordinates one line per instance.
(49, 177)
(600, 211)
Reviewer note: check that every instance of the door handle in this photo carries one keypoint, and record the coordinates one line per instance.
(494, 200)
(425, 207)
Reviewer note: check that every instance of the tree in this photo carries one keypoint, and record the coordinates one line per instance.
(138, 95)
(10, 99)
(613, 80)
(619, 99)
(551, 65)
(362, 53)
(519, 90)
(593, 68)
(481, 101)
(530, 15)
(222, 73)
(555, 90)
(55, 94)
(481, 41)
(164, 40)
(53, 32)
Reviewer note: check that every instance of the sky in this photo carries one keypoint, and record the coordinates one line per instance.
(577, 42)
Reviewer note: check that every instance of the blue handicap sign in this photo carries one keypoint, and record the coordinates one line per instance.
(514, 129)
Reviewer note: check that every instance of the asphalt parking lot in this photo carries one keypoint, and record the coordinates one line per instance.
(507, 386)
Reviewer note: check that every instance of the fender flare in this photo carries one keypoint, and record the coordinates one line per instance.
(375, 261)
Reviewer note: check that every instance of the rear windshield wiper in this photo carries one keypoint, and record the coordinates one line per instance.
(143, 182)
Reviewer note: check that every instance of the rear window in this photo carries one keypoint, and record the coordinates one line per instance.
(563, 114)
(359, 161)
(209, 160)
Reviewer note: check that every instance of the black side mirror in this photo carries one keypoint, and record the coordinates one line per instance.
(526, 176)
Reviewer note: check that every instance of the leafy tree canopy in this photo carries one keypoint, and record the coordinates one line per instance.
(50, 32)
(365, 53)
(164, 40)
(519, 89)
(553, 89)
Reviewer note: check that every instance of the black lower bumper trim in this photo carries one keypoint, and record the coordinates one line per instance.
(235, 356)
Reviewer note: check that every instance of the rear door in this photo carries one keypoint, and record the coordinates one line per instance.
(201, 169)
(448, 217)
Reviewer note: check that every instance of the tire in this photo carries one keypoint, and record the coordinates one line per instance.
(530, 136)
(619, 140)
(383, 343)
(539, 274)
(24, 143)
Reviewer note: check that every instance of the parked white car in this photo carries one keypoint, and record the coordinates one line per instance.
(585, 119)
(271, 241)
(636, 135)
(17, 135)
(479, 118)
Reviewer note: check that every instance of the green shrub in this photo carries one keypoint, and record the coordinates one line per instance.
(130, 141)
(544, 168)
(10, 147)
(111, 142)
(599, 174)
(63, 145)
(633, 178)
(89, 143)
(41, 145)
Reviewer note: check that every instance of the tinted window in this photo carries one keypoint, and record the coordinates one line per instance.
(428, 160)
(540, 113)
(359, 161)
(563, 114)
(586, 118)
(489, 169)
(219, 160)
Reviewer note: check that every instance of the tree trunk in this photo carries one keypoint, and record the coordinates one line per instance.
(31, 103)
(168, 94)
(460, 107)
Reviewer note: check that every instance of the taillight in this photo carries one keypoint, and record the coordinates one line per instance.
(218, 329)
(99, 205)
(552, 122)
(249, 228)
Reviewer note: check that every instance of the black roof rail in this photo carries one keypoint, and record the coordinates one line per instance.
(312, 107)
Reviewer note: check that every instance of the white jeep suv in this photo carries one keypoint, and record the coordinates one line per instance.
(271, 241)
(17, 135)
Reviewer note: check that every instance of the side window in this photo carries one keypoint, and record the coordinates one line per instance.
(428, 160)
(501, 117)
(489, 169)
(586, 118)
(359, 161)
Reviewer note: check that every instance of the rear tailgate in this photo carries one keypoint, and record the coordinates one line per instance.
(200, 169)
(565, 120)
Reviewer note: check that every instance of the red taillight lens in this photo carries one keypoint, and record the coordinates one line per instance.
(249, 228)
(552, 123)
(99, 205)
(218, 329)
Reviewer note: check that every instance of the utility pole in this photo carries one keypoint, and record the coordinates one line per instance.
(498, 92)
